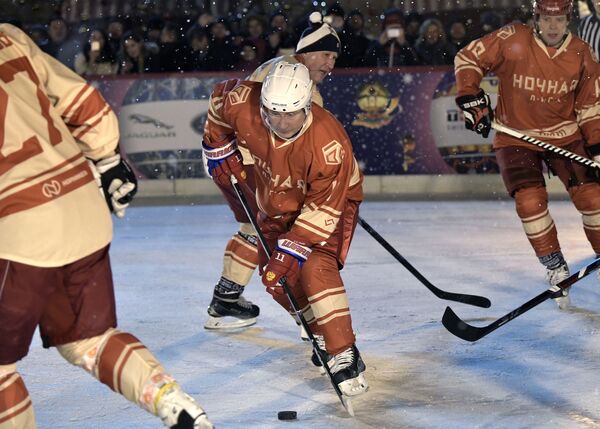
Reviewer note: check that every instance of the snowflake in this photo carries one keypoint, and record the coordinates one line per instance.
(407, 78)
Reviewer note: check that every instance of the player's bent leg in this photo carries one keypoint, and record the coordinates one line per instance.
(124, 364)
(16, 410)
(321, 281)
(228, 308)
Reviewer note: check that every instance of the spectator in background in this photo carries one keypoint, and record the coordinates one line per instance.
(204, 21)
(432, 46)
(281, 40)
(153, 30)
(222, 52)
(413, 23)
(490, 21)
(115, 30)
(335, 17)
(57, 34)
(96, 57)
(172, 53)
(391, 49)
(197, 55)
(354, 42)
(457, 34)
(248, 59)
(137, 57)
(255, 30)
(39, 35)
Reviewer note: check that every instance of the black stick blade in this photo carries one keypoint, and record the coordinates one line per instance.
(476, 300)
(456, 326)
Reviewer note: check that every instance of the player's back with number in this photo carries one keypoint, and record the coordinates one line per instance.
(50, 122)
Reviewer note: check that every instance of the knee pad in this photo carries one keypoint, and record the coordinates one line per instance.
(247, 229)
(531, 201)
(586, 197)
(84, 353)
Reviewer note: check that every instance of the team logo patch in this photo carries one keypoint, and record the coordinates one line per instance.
(270, 276)
(333, 153)
(239, 95)
(506, 32)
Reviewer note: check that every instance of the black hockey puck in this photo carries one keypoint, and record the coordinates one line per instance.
(287, 415)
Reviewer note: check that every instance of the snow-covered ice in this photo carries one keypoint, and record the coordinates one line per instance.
(541, 370)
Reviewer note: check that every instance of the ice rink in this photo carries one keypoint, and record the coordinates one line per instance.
(541, 370)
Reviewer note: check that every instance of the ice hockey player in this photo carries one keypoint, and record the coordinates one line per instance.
(308, 188)
(318, 48)
(548, 89)
(59, 149)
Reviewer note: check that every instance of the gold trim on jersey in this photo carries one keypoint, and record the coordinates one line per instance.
(462, 62)
(560, 50)
(588, 114)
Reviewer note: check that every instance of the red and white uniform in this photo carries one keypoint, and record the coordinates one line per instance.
(310, 177)
(46, 187)
(547, 93)
(309, 188)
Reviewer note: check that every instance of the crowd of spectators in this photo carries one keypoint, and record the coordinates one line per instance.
(120, 45)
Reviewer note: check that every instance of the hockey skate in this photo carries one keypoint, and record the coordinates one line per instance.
(348, 372)
(555, 276)
(231, 314)
(315, 359)
(179, 411)
(229, 309)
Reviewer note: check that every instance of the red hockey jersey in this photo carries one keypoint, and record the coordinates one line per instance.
(547, 93)
(310, 177)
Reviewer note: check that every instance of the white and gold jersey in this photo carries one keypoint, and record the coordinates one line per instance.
(51, 120)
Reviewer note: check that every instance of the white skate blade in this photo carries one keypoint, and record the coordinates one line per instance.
(225, 323)
(348, 405)
(354, 386)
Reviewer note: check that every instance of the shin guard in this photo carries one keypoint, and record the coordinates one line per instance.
(532, 207)
(241, 256)
(124, 364)
(16, 410)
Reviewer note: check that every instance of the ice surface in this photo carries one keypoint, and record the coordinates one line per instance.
(541, 370)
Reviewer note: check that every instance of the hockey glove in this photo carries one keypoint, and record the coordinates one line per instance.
(116, 181)
(223, 162)
(285, 263)
(477, 111)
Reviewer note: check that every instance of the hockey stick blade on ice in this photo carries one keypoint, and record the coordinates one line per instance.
(293, 302)
(456, 326)
(547, 146)
(478, 301)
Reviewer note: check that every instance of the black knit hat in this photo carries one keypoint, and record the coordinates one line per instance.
(318, 37)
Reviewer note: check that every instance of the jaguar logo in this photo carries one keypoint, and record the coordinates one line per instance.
(143, 119)
(51, 189)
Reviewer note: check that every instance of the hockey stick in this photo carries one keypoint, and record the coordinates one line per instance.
(294, 303)
(468, 332)
(547, 146)
(478, 301)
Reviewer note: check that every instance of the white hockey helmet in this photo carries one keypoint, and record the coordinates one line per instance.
(287, 88)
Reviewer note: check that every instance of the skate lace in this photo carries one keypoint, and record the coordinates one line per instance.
(320, 339)
(343, 360)
(243, 302)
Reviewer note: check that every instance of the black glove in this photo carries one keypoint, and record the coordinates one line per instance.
(116, 181)
(477, 111)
